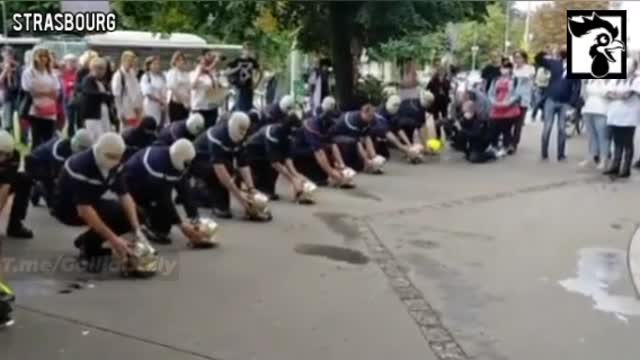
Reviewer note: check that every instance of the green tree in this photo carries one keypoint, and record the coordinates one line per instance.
(489, 35)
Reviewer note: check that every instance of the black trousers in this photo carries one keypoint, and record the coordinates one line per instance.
(210, 116)
(307, 165)
(349, 150)
(111, 213)
(503, 128)
(264, 175)
(177, 111)
(218, 195)
(622, 146)
(42, 176)
(20, 188)
(518, 123)
(439, 113)
(42, 130)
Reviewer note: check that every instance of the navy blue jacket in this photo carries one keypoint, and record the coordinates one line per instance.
(52, 153)
(216, 147)
(411, 114)
(351, 125)
(137, 138)
(174, 132)
(82, 183)
(151, 175)
(561, 89)
(314, 134)
(271, 143)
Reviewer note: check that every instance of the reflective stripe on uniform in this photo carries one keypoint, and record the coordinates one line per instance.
(159, 175)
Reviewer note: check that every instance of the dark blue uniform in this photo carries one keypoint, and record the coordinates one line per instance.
(20, 185)
(272, 115)
(347, 133)
(174, 132)
(215, 147)
(314, 135)
(271, 144)
(137, 139)
(82, 183)
(44, 163)
(411, 116)
(151, 178)
(383, 123)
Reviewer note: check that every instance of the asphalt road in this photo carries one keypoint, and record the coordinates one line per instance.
(512, 260)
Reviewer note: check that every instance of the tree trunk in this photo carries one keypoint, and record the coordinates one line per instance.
(341, 33)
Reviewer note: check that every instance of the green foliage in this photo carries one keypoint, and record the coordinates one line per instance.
(423, 48)
(488, 34)
(369, 89)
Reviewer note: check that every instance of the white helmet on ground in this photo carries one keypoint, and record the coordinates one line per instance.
(195, 124)
(82, 140)
(182, 153)
(393, 104)
(238, 126)
(328, 104)
(286, 104)
(7, 144)
(108, 151)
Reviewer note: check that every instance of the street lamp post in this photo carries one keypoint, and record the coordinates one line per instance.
(474, 55)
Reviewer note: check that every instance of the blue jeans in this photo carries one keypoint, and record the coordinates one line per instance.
(599, 135)
(9, 108)
(551, 109)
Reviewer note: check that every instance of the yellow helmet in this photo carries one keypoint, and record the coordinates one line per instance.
(434, 146)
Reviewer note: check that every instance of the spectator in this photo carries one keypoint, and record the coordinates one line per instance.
(440, 87)
(178, 84)
(563, 96)
(97, 100)
(524, 73)
(43, 87)
(505, 108)
(319, 83)
(126, 92)
(83, 70)
(594, 115)
(244, 74)
(206, 92)
(154, 90)
(491, 71)
(541, 84)
(622, 117)
(69, 74)
(10, 87)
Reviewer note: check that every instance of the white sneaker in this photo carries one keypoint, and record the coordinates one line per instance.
(602, 165)
(501, 153)
(585, 163)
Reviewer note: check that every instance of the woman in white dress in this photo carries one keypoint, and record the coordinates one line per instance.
(126, 92)
(179, 86)
(154, 90)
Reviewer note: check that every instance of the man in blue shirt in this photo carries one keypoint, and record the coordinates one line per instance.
(352, 133)
(563, 95)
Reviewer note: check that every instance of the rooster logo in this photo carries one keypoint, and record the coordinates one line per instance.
(603, 35)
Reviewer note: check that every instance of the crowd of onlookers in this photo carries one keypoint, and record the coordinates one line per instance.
(90, 91)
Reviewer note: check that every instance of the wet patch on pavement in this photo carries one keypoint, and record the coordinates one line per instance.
(335, 253)
(599, 270)
(361, 194)
(341, 224)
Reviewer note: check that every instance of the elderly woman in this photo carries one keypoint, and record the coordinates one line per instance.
(179, 86)
(97, 100)
(126, 92)
(43, 86)
(154, 89)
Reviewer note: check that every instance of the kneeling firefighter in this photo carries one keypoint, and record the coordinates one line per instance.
(13, 181)
(140, 137)
(219, 156)
(352, 134)
(43, 164)
(268, 153)
(184, 129)
(78, 201)
(315, 154)
(151, 175)
(385, 129)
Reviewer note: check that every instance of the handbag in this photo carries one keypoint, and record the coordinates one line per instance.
(25, 105)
